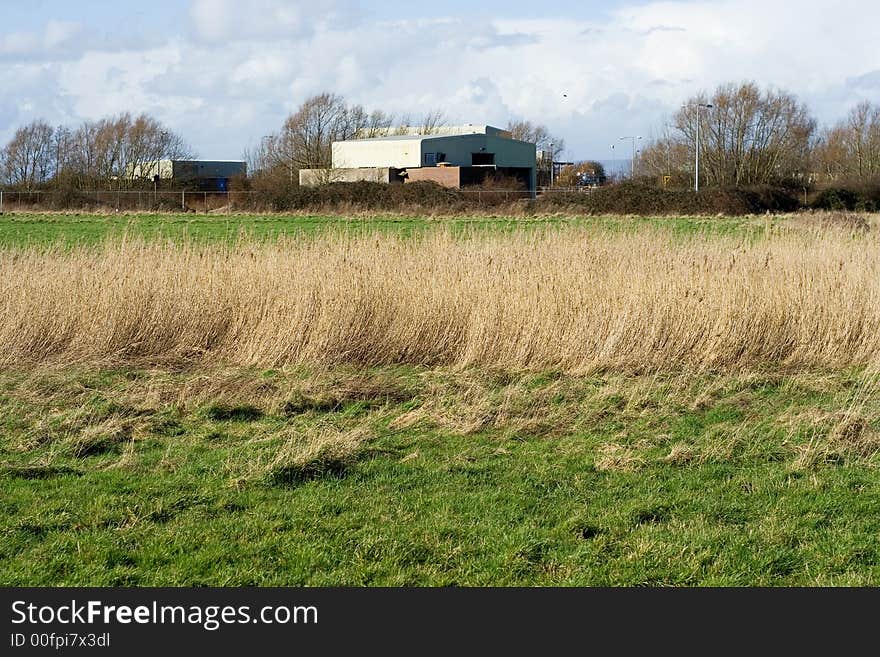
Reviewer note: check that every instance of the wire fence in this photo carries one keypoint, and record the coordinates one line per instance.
(181, 200)
(209, 202)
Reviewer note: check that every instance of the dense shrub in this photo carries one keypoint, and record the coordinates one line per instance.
(623, 198)
(69, 198)
(372, 196)
(499, 196)
(646, 199)
(835, 199)
(858, 195)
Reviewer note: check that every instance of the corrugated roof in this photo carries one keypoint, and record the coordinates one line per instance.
(438, 131)
(413, 137)
(404, 138)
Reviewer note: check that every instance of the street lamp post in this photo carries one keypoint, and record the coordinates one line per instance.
(552, 167)
(700, 106)
(632, 167)
(267, 151)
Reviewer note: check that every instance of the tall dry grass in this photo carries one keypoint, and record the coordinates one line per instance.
(575, 300)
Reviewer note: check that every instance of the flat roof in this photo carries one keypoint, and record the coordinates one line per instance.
(408, 137)
(414, 138)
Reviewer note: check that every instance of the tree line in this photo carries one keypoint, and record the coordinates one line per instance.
(748, 136)
(751, 136)
(305, 139)
(102, 154)
(113, 152)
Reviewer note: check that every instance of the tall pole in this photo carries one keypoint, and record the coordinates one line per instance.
(551, 164)
(700, 107)
(697, 156)
(632, 162)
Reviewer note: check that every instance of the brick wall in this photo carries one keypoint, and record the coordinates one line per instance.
(446, 176)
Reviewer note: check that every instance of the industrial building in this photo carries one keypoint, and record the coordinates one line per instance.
(206, 175)
(439, 130)
(463, 156)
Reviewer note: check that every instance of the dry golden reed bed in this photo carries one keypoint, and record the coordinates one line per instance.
(575, 300)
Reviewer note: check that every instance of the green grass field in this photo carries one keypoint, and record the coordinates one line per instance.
(468, 478)
(428, 476)
(17, 229)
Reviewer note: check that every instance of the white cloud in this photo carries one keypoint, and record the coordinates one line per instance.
(56, 34)
(235, 73)
(222, 21)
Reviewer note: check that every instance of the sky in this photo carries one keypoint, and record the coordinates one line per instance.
(223, 73)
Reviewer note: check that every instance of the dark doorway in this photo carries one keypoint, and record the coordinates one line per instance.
(482, 159)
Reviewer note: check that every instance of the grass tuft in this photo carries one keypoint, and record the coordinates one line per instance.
(682, 454)
(107, 436)
(611, 457)
(329, 453)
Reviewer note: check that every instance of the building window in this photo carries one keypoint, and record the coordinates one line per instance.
(430, 159)
(482, 159)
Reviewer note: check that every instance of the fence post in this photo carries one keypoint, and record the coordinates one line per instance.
(183, 201)
(206, 202)
(1, 201)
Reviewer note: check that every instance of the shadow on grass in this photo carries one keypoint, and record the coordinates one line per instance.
(33, 471)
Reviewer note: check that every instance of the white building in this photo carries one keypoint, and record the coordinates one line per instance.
(463, 155)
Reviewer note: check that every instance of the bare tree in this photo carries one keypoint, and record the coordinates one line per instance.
(29, 157)
(547, 145)
(851, 148)
(260, 158)
(378, 125)
(665, 156)
(102, 143)
(307, 135)
(749, 136)
(65, 152)
(432, 122)
(534, 133)
(403, 126)
(89, 154)
(306, 138)
(831, 157)
(116, 150)
(863, 138)
(146, 142)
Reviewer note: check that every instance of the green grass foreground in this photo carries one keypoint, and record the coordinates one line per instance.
(401, 476)
(24, 229)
